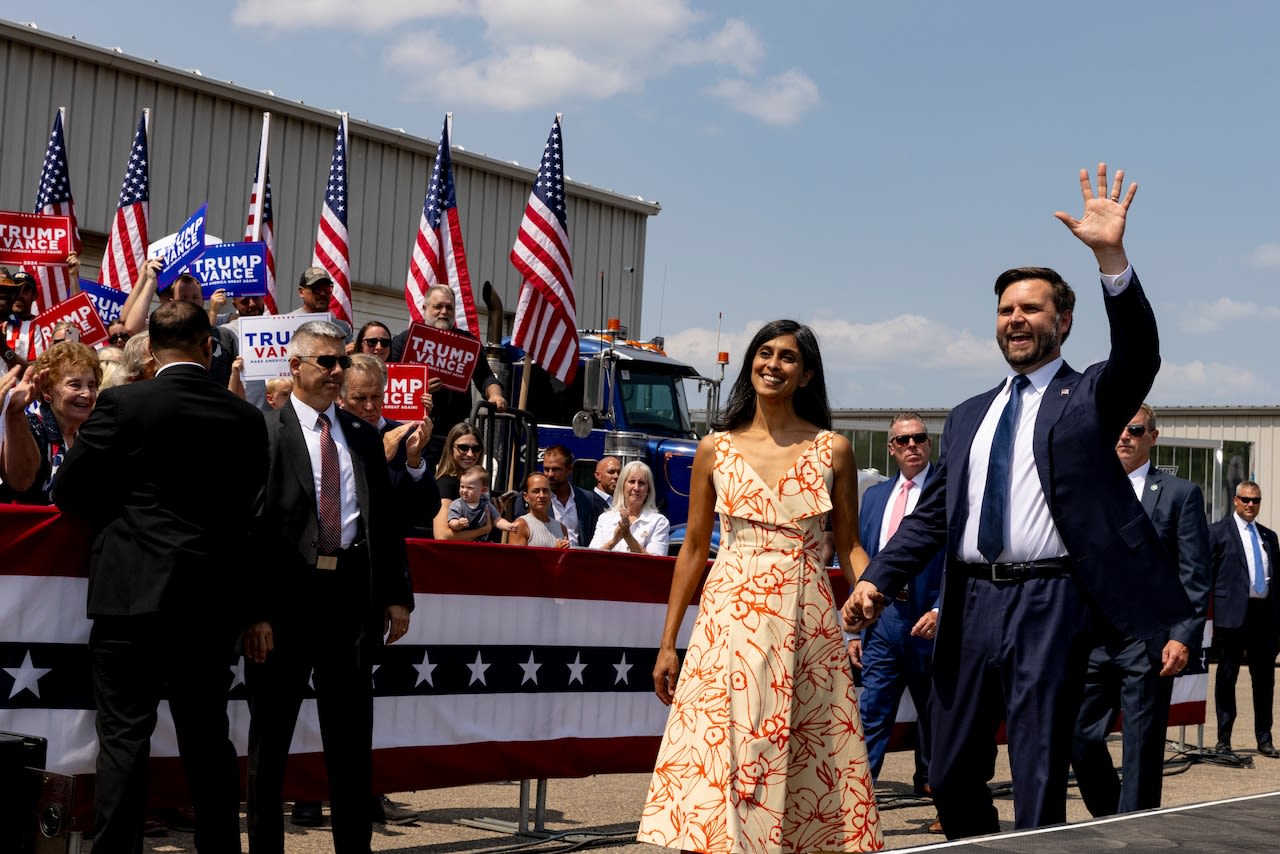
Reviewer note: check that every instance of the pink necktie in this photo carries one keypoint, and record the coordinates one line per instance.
(899, 508)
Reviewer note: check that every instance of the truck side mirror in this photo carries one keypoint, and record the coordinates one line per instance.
(593, 384)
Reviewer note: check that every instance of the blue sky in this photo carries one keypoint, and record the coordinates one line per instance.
(867, 168)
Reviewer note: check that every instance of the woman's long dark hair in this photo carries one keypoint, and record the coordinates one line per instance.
(810, 400)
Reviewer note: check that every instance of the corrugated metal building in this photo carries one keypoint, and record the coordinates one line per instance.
(204, 144)
(1215, 446)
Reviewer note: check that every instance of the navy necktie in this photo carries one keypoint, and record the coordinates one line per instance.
(995, 498)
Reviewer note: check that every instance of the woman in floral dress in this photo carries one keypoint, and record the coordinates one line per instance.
(763, 749)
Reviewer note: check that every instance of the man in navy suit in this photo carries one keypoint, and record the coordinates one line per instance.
(895, 652)
(573, 506)
(1246, 615)
(1042, 531)
(1136, 676)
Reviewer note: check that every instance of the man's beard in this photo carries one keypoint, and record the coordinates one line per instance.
(1045, 343)
(442, 323)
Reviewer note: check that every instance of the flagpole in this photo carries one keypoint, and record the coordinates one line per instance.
(260, 203)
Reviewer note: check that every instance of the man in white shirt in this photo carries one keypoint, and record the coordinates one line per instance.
(1246, 614)
(607, 471)
(1135, 677)
(1043, 535)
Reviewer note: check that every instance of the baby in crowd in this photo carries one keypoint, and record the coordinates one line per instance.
(472, 508)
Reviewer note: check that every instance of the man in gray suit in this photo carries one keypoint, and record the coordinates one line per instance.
(1136, 676)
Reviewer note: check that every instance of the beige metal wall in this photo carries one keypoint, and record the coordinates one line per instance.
(1259, 426)
(203, 147)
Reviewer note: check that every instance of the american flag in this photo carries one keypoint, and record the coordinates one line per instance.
(54, 197)
(333, 251)
(438, 255)
(127, 242)
(546, 317)
(267, 235)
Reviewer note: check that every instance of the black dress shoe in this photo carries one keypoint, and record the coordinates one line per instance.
(1222, 747)
(1266, 748)
(386, 811)
(308, 814)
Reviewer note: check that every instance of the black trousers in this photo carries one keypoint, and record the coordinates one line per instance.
(1123, 676)
(328, 631)
(1018, 655)
(1257, 639)
(135, 661)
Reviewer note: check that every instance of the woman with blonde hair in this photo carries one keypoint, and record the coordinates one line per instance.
(633, 523)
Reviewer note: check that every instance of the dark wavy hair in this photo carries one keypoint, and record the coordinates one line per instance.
(810, 400)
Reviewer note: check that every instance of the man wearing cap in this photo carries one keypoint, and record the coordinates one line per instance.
(315, 289)
(19, 333)
(449, 408)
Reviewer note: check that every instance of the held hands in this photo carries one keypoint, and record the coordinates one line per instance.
(862, 607)
(665, 672)
(1101, 226)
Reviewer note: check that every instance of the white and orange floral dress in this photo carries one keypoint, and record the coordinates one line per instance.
(763, 750)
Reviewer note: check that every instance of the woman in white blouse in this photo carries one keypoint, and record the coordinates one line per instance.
(633, 524)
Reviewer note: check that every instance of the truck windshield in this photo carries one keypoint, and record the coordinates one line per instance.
(653, 402)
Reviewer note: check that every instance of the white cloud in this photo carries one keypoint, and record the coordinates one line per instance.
(1266, 256)
(1200, 317)
(735, 44)
(364, 15)
(850, 349)
(1209, 382)
(779, 100)
(513, 54)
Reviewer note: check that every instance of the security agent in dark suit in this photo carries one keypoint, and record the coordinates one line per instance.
(336, 581)
(1136, 676)
(1246, 613)
(896, 651)
(170, 565)
(1043, 536)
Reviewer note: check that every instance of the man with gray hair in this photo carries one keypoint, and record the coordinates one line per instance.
(336, 582)
(449, 408)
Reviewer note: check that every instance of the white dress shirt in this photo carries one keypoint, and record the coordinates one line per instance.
(567, 514)
(309, 419)
(1032, 534)
(913, 498)
(1246, 540)
(1138, 478)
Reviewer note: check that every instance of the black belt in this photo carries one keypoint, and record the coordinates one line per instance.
(330, 561)
(1048, 568)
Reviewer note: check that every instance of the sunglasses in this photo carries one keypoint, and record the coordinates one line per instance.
(119, 336)
(328, 361)
(1249, 499)
(467, 449)
(377, 342)
(903, 441)
(1135, 430)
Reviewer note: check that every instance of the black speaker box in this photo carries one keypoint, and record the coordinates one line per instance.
(19, 789)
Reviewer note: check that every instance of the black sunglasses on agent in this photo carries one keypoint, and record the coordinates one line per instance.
(1135, 430)
(1249, 499)
(328, 361)
(903, 441)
